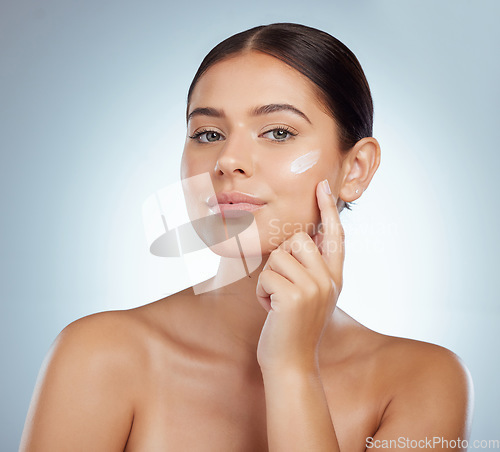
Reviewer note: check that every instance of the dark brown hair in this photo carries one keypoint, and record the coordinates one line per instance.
(334, 70)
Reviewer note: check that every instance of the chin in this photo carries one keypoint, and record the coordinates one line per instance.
(231, 237)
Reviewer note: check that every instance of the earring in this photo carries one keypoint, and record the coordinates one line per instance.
(357, 191)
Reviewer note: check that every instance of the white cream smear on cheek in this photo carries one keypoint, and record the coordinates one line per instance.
(304, 162)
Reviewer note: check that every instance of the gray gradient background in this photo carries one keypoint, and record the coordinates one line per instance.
(91, 123)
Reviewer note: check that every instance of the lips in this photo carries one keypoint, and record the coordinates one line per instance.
(234, 201)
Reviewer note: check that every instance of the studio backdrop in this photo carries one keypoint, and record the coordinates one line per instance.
(92, 124)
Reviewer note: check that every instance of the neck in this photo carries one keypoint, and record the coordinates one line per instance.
(230, 319)
(230, 306)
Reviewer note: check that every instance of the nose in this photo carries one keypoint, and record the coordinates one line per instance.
(235, 158)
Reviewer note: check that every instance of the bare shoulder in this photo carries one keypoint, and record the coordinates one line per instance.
(91, 381)
(106, 338)
(413, 390)
(423, 365)
(122, 334)
(400, 361)
(421, 381)
(121, 341)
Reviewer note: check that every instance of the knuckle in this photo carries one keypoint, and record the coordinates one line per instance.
(303, 235)
(274, 255)
(335, 286)
(326, 285)
(295, 297)
(298, 236)
(329, 286)
(265, 274)
(313, 290)
(311, 246)
(274, 252)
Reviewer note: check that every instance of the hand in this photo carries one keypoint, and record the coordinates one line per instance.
(299, 287)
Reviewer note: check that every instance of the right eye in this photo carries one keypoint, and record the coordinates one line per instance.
(207, 136)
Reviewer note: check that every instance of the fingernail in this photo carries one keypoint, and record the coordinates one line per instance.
(326, 187)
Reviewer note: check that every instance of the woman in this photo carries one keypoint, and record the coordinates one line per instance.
(280, 121)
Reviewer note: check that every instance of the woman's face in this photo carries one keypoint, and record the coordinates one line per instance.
(256, 127)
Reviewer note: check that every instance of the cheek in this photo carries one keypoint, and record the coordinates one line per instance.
(192, 164)
(304, 162)
(188, 166)
(184, 165)
(294, 185)
(297, 177)
(291, 168)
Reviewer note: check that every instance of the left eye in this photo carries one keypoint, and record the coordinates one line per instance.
(279, 134)
(209, 136)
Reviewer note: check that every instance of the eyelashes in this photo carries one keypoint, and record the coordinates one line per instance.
(279, 135)
(282, 130)
(203, 133)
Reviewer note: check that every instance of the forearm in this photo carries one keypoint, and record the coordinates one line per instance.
(298, 417)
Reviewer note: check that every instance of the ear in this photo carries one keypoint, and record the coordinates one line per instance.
(358, 168)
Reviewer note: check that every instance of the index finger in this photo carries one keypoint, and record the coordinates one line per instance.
(332, 244)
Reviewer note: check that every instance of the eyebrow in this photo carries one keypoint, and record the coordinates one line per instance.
(257, 111)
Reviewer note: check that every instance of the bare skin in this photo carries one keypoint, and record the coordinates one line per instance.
(175, 381)
(268, 362)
